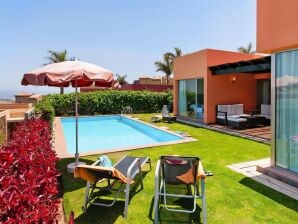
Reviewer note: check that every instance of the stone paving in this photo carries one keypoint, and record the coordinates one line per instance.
(249, 169)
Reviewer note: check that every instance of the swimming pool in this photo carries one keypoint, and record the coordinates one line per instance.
(112, 133)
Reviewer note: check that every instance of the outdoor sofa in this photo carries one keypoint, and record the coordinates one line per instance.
(231, 115)
(266, 112)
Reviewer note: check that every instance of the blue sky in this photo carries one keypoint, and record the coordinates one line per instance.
(126, 37)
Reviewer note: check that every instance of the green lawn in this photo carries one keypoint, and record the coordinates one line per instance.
(231, 197)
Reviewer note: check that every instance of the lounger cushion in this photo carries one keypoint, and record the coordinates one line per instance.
(188, 177)
(88, 173)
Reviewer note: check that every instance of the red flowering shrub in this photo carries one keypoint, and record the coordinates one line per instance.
(28, 175)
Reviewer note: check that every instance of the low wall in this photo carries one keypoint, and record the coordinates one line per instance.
(3, 124)
(7, 106)
(34, 99)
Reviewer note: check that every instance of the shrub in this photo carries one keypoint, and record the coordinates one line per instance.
(46, 110)
(109, 102)
(28, 185)
(2, 137)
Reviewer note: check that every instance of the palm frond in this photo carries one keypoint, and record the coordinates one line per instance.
(166, 66)
(247, 50)
(57, 56)
(121, 79)
(178, 51)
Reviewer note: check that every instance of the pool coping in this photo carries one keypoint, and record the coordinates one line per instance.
(61, 148)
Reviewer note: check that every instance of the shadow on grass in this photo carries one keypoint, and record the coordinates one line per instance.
(101, 214)
(69, 183)
(165, 216)
(270, 193)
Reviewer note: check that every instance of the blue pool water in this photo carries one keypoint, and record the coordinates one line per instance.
(111, 132)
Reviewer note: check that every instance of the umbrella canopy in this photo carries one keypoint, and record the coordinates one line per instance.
(74, 73)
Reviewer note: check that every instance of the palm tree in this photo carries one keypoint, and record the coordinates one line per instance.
(58, 56)
(166, 66)
(178, 53)
(247, 50)
(121, 79)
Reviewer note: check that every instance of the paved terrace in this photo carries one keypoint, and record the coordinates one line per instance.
(260, 134)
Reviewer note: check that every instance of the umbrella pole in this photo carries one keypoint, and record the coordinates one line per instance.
(77, 128)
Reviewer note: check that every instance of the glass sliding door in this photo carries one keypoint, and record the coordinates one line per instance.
(191, 98)
(200, 98)
(263, 92)
(286, 110)
(182, 98)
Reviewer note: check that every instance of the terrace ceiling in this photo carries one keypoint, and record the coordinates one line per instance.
(259, 65)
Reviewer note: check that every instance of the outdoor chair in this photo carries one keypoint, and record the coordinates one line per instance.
(173, 172)
(123, 174)
(231, 115)
(266, 112)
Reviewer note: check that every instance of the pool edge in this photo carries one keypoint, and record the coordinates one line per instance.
(61, 149)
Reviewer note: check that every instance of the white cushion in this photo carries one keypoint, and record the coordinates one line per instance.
(222, 108)
(234, 116)
(267, 117)
(265, 109)
(236, 119)
(230, 110)
(200, 109)
(238, 109)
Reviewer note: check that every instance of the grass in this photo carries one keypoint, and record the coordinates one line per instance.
(231, 197)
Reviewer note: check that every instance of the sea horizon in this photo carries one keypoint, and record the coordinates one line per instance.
(10, 94)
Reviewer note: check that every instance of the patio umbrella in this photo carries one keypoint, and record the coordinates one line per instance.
(74, 73)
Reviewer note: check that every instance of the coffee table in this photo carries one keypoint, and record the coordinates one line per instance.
(254, 120)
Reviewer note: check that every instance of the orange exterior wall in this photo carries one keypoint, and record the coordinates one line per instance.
(277, 25)
(218, 89)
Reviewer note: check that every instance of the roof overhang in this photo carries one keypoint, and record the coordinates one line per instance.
(259, 65)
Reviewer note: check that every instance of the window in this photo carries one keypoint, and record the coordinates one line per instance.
(191, 98)
(286, 110)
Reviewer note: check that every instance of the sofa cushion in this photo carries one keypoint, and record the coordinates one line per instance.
(230, 110)
(244, 115)
(221, 117)
(266, 109)
(238, 108)
(236, 119)
(234, 116)
(222, 108)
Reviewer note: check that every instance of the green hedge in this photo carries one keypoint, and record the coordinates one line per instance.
(2, 138)
(108, 102)
(46, 111)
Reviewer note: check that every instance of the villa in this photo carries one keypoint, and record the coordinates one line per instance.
(208, 78)
(277, 35)
(138, 163)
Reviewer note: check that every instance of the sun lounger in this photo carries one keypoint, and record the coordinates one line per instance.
(172, 172)
(156, 118)
(166, 115)
(123, 172)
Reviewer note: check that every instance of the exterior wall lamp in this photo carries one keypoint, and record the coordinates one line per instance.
(234, 79)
